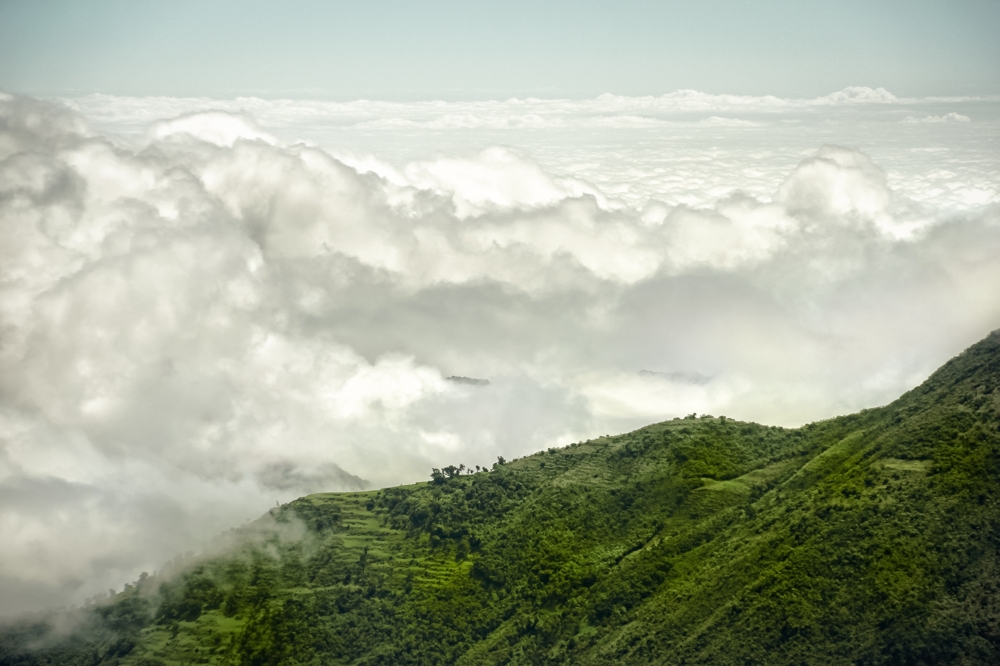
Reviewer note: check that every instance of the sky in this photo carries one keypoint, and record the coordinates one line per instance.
(246, 248)
(488, 50)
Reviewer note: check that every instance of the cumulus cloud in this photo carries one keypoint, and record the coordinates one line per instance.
(858, 95)
(207, 317)
(216, 127)
(947, 118)
(686, 146)
(497, 178)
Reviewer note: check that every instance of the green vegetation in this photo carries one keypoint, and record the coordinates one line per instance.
(865, 539)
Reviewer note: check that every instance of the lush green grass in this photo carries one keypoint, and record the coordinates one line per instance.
(866, 539)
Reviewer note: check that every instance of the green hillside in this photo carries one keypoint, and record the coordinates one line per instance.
(865, 539)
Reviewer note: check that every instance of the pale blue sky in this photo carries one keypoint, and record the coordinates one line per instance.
(439, 48)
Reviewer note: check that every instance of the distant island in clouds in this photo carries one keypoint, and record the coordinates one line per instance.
(471, 381)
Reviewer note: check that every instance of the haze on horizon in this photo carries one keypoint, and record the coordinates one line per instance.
(443, 49)
(243, 246)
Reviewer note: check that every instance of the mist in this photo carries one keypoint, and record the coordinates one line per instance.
(210, 306)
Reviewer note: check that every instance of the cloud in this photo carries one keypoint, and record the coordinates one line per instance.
(287, 475)
(947, 118)
(837, 186)
(677, 109)
(686, 146)
(498, 178)
(859, 95)
(207, 317)
(217, 127)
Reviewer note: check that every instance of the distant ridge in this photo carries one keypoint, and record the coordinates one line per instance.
(472, 381)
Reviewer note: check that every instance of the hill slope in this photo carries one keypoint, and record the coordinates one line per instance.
(868, 539)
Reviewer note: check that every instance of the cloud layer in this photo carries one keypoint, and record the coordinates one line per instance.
(208, 317)
(683, 147)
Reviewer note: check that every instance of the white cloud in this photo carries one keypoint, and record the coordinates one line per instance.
(210, 316)
(838, 186)
(859, 95)
(947, 118)
(606, 110)
(218, 127)
(497, 178)
(685, 147)
(652, 397)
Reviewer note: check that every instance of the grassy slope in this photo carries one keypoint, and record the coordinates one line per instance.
(870, 538)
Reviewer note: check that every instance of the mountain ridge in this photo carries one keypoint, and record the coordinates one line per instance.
(870, 538)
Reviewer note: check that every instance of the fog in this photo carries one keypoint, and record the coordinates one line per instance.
(209, 306)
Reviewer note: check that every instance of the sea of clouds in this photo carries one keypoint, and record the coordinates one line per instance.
(208, 306)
